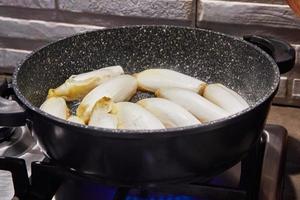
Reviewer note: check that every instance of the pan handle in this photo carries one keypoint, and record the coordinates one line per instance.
(11, 113)
(282, 52)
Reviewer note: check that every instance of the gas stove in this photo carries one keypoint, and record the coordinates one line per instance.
(257, 176)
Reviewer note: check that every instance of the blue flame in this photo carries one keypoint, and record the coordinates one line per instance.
(97, 192)
(107, 193)
(162, 197)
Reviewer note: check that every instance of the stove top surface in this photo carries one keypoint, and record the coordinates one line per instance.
(258, 176)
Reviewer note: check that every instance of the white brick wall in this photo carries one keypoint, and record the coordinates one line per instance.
(29, 3)
(39, 30)
(11, 57)
(168, 9)
(267, 15)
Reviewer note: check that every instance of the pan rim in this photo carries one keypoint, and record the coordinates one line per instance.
(161, 132)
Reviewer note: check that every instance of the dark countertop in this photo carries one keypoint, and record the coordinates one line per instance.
(290, 118)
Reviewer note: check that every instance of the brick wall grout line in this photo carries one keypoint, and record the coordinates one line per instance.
(56, 4)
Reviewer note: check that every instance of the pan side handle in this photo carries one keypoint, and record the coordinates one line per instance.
(11, 112)
(282, 52)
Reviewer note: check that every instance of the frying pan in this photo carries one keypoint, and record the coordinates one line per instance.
(135, 157)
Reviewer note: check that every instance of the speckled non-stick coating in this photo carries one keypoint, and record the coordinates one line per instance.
(203, 54)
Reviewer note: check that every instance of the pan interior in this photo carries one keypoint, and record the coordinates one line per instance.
(205, 55)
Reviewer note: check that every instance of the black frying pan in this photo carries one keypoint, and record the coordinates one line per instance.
(152, 156)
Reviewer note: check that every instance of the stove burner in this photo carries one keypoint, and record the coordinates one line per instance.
(17, 141)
